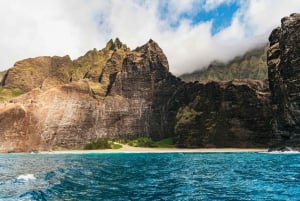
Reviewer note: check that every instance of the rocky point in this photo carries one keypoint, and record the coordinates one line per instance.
(284, 81)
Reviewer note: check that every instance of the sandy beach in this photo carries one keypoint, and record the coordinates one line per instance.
(130, 149)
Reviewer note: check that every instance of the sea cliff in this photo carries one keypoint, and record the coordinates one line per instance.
(115, 92)
(284, 81)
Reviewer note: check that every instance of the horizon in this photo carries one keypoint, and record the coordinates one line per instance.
(192, 33)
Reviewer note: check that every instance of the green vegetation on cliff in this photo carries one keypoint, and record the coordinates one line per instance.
(251, 65)
(148, 142)
(45, 72)
(186, 114)
(196, 123)
(224, 114)
(102, 144)
(8, 93)
(30, 73)
(139, 142)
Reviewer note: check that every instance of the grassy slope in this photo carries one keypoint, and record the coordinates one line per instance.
(139, 142)
(5, 93)
(250, 65)
(31, 73)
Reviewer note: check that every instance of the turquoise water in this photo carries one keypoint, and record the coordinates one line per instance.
(175, 176)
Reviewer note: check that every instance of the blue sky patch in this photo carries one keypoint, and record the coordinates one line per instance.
(221, 16)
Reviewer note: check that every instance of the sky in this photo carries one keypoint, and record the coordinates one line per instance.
(192, 33)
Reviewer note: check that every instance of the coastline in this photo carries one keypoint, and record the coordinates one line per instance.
(129, 149)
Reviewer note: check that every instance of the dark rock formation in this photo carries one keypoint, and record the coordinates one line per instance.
(2, 73)
(146, 81)
(284, 81)
(225, 114)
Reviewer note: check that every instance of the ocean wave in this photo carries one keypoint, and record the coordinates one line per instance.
(282, 152)
(34, 195)
(218, 176)
(26, 177)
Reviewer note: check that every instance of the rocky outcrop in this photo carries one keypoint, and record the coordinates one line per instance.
(114, 92)
(284, 81)
(146, 81)
(2, 73)
(17, 131)
(52, 71)
(31, 73)
(225, 114)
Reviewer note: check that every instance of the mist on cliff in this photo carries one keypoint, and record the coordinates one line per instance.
(32, 28)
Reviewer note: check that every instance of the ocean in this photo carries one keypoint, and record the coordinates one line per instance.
(150, 176)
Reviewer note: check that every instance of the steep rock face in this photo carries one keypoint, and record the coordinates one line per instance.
(17, 131)
(2, 73)
(146, 81)
(129, 96)
(225, 114)
(284, 79)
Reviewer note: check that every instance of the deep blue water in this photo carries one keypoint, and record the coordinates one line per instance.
(175, 176)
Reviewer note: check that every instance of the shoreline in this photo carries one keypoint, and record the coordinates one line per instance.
(129, 149)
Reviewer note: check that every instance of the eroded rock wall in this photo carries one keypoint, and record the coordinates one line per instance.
(225, 114)
(284, 79)
(145, 81)
(131, 96)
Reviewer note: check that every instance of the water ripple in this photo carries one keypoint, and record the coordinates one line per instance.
(217, 176)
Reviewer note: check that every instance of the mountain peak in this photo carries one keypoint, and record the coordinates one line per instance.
(152, 43)
(154, 53)
(116, 44)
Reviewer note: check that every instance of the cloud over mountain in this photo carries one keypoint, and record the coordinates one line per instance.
(182, 28)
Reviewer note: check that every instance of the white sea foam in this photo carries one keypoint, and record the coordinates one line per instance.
(26, 177)
(283, 152)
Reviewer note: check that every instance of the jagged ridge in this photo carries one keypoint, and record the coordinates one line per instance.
(112, 93)
(251, 65)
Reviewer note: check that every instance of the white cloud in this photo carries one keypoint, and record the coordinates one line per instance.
(212, 4)
(264, 15)
(53, 27)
